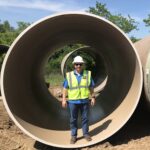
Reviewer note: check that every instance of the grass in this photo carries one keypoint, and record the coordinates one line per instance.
(55, 79)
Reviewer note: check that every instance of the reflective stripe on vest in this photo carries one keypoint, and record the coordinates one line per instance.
(78, 91)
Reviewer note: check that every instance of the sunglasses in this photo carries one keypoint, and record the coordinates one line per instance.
(78, 64)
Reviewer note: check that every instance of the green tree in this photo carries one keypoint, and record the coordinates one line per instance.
(5, 27)
(127, 24)
(147, 21)
(22, 26)
(9, 33)
(7, 38)
(134, 39)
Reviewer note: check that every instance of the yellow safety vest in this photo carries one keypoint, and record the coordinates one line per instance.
(78, 91)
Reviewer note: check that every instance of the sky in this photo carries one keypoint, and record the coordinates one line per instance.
(33, 10)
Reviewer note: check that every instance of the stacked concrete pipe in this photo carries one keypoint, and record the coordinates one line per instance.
(36, 112)
(143, 49)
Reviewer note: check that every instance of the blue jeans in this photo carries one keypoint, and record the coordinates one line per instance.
(74, 110)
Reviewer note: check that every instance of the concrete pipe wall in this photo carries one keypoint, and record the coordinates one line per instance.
(143, 48)
(36, 111)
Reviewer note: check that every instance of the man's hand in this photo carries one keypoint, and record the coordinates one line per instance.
(64, 103)
(93, 101)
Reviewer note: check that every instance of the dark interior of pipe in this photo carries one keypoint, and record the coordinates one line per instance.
(3, 49)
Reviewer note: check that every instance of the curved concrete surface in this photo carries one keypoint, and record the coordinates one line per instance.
(143, 48)
(36, 111)
(99, 74)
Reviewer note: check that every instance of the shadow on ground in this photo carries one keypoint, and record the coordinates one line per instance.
(137, 127)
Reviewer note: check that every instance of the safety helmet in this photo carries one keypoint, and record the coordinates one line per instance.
(78, 59)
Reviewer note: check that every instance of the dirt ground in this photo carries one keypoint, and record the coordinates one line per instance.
(135, 135)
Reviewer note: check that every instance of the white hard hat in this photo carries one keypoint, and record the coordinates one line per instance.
(78, 59)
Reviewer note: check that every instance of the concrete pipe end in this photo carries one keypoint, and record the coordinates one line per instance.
(36, 112)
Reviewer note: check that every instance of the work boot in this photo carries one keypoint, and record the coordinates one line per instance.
(88, 138)
(73, 140)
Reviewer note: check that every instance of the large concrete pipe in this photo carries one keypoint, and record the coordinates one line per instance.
(143, 48)
(36, 111)
(98, 72)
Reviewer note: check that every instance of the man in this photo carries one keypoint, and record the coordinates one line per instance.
(79, 86)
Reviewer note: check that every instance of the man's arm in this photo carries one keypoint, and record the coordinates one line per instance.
(91, 88)
(65, 90)
(64, 99)
(93, 101)
(92, 92)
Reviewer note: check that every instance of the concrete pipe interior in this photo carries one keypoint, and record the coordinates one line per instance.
(25, 94)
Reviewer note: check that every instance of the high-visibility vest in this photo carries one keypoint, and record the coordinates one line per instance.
(78, 90)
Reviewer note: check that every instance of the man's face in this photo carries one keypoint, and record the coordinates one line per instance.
(78, 66)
